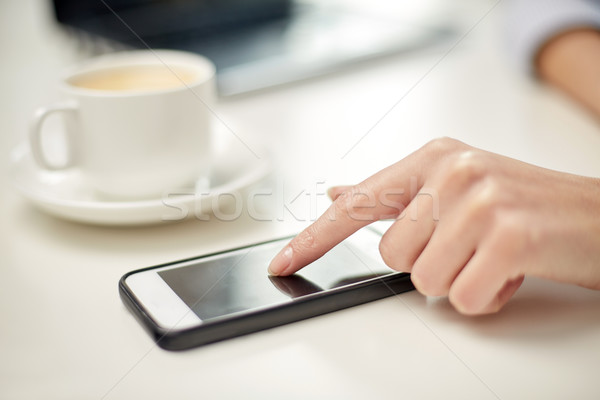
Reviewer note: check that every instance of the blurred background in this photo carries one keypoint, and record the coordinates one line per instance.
(260, 43)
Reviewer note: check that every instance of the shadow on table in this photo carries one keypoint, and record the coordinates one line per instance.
(540, 311)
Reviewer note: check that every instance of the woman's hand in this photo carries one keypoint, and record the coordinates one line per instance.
(469, 224)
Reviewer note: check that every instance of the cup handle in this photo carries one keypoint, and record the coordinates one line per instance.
(35, 134)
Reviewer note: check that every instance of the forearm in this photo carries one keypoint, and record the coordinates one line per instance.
(571, 61)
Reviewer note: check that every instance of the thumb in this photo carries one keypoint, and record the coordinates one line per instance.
(335, 191)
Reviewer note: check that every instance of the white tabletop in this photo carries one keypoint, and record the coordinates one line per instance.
(66, 335)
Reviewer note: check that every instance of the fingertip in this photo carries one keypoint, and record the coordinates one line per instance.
(281, 262)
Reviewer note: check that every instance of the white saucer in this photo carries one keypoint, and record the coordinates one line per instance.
(65, 194)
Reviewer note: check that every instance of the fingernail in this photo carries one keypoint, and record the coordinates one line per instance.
(281, 261)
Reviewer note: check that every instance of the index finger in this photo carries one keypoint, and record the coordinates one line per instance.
(381, 196)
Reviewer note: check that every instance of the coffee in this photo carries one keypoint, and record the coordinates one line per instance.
(136, 78)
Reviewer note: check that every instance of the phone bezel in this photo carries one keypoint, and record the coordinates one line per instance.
(160, 301)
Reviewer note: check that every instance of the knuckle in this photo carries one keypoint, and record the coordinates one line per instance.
(466, 168)
(426, 282)
(505, 228)
(356, 203)
(485, 203)
(441, 146)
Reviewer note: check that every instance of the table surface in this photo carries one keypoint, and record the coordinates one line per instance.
(66, 334)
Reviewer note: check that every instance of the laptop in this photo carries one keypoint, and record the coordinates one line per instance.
(257, 44)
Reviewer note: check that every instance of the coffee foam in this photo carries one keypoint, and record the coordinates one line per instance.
(136, 78)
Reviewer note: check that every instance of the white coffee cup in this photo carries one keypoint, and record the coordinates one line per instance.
(138, 123)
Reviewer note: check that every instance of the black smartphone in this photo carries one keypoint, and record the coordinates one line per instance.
(197, 301)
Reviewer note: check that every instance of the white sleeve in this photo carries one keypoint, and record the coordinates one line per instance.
(533, 22)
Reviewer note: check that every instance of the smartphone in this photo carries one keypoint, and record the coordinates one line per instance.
(219, 296)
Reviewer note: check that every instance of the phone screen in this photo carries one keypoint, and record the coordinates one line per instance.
(237, 281)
